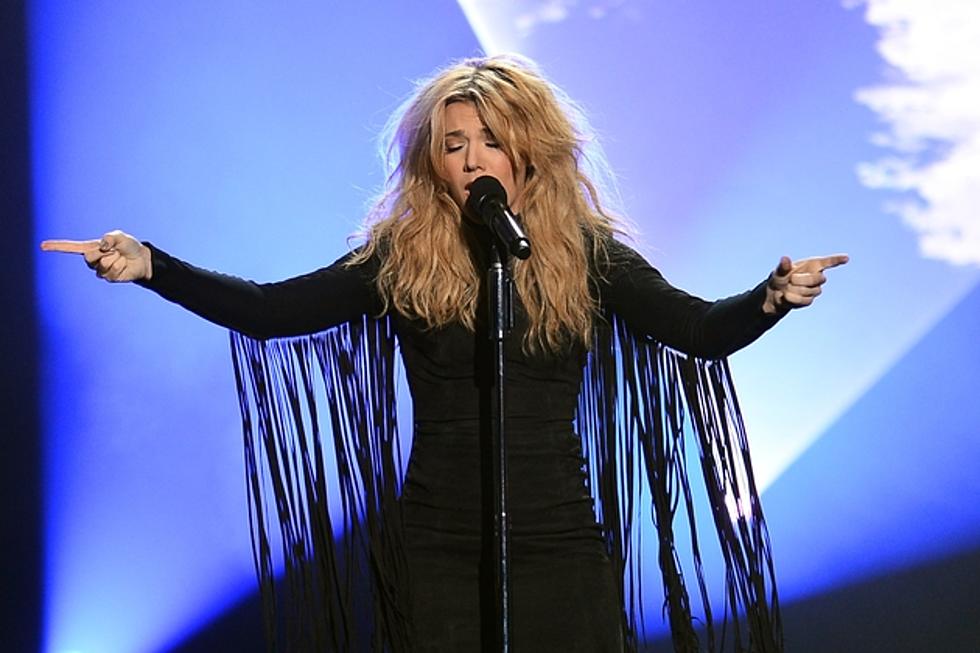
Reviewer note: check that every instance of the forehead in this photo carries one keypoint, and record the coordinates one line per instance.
(462, 116)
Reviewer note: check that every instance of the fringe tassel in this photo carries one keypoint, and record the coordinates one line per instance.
(637, 393)
(327, 603)
(637, 398)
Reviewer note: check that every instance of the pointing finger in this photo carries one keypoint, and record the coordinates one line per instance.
(827, 262)
(70, 246)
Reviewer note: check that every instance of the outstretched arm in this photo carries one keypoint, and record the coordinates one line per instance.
(306, 304)
(651, 306)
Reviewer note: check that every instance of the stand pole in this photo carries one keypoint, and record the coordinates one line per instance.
(500, 294)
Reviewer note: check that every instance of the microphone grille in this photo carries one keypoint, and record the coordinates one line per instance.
(484, 188)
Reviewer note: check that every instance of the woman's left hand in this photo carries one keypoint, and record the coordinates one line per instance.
(794, 285)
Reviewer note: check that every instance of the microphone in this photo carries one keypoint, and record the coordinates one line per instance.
(488, 201)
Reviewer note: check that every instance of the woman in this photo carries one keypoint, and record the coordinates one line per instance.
(421, 268)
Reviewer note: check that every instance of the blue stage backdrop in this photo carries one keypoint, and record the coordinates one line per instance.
(241, 136)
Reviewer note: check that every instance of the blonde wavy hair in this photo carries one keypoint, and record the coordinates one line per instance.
(427, 269)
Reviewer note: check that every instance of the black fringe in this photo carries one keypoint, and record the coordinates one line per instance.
(279, 383)
(637, 393)
(633, 408)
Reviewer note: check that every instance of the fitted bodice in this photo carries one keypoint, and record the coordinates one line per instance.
(450, 371)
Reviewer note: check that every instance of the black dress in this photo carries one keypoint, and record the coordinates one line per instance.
(564, 591)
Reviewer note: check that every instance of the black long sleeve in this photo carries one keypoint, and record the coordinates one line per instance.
(338, 293)
(639, 294)
(312, 302)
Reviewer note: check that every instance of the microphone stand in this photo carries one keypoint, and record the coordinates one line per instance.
(500, 295)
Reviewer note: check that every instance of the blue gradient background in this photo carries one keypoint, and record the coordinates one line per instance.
(240, 136)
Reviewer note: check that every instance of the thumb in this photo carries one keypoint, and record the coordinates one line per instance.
(784, 268)
(110, 241)
(120, 242)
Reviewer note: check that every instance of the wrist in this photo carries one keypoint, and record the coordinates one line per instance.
(147, 256)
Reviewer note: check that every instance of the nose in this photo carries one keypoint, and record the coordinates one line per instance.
(473, 160)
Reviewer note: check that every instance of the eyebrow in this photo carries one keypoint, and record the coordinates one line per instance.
(459, 133)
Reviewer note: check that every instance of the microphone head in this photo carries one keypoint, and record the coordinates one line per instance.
(482, 189)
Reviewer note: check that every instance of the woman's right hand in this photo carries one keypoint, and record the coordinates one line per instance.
(115, 257)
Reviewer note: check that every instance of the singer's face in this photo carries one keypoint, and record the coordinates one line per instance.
(470, 151)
